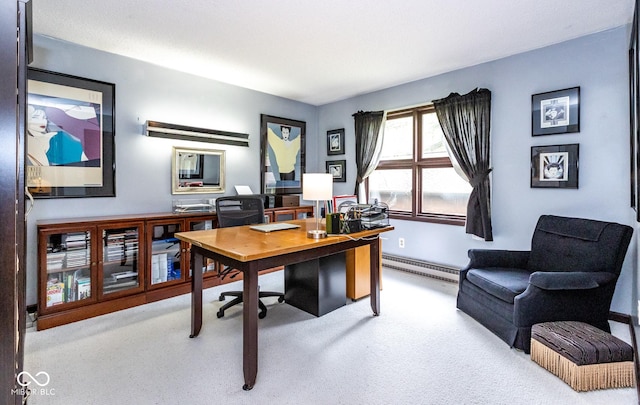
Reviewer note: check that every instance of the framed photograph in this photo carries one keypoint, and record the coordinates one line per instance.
(282, 155)
(554, 166)
(347, 200)
(335, 142)
(338, 169)
(555, 112)
(70, 136)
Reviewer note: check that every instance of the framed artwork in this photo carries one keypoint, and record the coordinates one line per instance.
(335, 142)
(282, 155)
(555, 112)
(347, 200)
(70, 136)
(338, 169)
(554, 166)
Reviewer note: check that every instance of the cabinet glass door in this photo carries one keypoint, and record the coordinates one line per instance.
(165, 253)
(121, 260)
(304, 213)
(284, 215)
(201, 224)
(68, 268)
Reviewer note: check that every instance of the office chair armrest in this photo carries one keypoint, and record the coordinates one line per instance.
(228, 271)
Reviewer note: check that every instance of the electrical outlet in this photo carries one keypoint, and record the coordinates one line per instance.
(401, 242)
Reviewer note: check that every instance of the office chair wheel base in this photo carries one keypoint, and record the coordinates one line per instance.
(262, 314)
(281, 299)
(220, 314)
(221, 298)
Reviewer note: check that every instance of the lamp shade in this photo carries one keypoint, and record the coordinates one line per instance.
(317, 186)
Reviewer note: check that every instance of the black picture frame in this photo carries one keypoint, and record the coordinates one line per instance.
(278, 154)
(338, 170)
(335, 142)
(555, 112)
(70, 136)
(555, 166)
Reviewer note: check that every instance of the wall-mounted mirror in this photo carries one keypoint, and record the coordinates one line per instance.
(197, 171)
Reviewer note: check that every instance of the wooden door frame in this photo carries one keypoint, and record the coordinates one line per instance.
(12, 220)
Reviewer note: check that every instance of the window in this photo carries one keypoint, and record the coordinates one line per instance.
(415, 176)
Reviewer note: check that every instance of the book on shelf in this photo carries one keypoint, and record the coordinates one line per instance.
(55, 293)
(69, 289)
(83, 287)
(155, 269)
(162, 264)
(123, 274)
(113, 286)
(121, 246)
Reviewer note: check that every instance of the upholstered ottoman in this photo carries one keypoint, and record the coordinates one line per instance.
(582, 355)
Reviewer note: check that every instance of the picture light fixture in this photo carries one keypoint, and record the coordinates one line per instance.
(174, 131)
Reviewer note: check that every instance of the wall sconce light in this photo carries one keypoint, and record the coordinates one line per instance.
(318, 187)
(174, 131)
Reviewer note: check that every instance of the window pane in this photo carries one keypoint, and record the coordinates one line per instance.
(392, 187)
(398, 139)
(444, 192)
(432, 137)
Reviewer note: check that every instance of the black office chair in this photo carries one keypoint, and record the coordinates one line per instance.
(237, 211)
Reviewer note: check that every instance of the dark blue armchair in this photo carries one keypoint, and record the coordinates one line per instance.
(570, 273)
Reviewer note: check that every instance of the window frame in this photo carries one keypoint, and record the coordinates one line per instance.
(416, 164)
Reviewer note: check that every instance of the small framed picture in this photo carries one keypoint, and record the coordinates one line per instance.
(335, 142)
(338, 169)
(554, 166)
(555, 112)
(344, 202)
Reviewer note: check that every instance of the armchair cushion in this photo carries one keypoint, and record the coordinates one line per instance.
(482, 258)
(502, 283)
(578, 280)
(573, 244)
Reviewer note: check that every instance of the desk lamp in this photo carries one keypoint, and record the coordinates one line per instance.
(318, 187)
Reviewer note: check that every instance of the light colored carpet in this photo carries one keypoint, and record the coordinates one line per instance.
(420, 350)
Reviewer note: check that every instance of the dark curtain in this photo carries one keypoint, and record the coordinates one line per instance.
(367, 127)
(465, 121)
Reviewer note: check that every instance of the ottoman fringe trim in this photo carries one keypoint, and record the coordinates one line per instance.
(587, 377)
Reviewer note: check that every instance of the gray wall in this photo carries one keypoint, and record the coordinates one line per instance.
(596, 63)
(143, 164)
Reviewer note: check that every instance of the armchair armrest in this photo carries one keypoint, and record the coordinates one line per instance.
(575, 280)
(561, 296)
(497, 258)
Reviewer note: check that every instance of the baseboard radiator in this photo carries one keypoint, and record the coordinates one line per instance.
(421, 267)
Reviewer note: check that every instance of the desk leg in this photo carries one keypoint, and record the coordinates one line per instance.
(197, 261)
(250, 327)
(374, 260)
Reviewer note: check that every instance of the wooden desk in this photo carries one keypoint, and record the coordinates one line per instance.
(251, 251)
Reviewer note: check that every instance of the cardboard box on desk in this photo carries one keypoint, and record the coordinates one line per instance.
(287, 200)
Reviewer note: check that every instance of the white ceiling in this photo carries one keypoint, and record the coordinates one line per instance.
(319, 51)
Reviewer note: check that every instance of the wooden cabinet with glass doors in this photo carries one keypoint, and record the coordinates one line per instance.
(289, 213)
(93, 266)
(120, 260)
(87, 265)
(67, 276)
